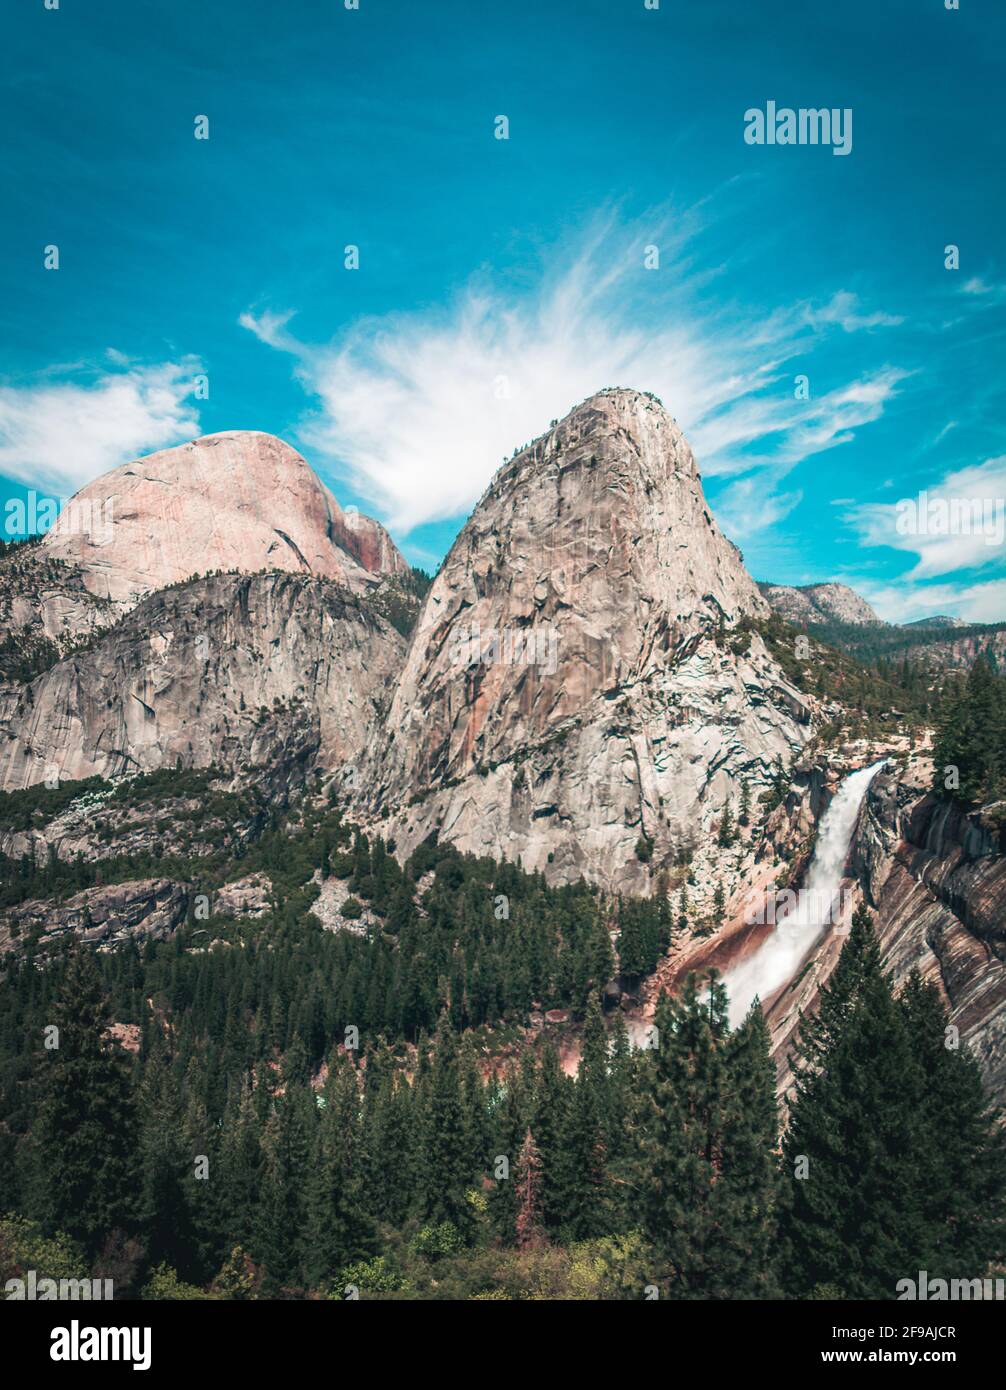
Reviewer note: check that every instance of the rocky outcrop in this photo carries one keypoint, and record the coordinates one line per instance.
(45, 599)
(240, 500)
(95, 826)
(934, 877)
(243, 897)
(272, 675)
(819, 603)
(575, 696)
(103, 916)
(935, 873)
(960, 653)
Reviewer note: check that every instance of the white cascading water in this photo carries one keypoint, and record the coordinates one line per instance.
(780, 955)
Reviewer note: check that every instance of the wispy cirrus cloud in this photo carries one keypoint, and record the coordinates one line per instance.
(59, 434)
(417, 411)
(843, 310)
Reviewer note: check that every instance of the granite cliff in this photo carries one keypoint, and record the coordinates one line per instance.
(577, 694)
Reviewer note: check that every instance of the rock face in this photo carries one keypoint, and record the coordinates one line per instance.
(275, 673)
(240, 500)
(959, 653)
(95, 826)
(936, 876)
(103, 916)
(573, 695)
(43, 598)
(819, 603)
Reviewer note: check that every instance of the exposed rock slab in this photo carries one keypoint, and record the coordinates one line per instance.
(103, 916)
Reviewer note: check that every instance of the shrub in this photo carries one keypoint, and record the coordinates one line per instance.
(164, 1286)
(377, 1275)
(437, 1241)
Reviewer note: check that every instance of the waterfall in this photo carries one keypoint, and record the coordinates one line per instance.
(780, 955)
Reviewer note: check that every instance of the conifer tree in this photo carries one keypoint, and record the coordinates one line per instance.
(529, 1222)
(551, 1114)
(338, 1230)
(892, 1162)
(587, 1188)
(512, 1111)
(448, 1170)
(858, 963)
(241, 1167)
(288, 1143)
(852, 1213)
(86, 1121)
(962, 1154)
(719, 905)
(749, 1157)
(744, 810)
(702, 1177)
(166, 1217)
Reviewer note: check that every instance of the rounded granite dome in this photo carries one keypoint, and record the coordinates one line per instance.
(238, 500)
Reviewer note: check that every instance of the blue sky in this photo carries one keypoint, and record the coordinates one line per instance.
(501, 281)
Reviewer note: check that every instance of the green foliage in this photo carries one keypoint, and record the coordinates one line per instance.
(868, 692)
(25, 1246)
(435, 1242)
(378, 1167)
(377, 1275)
(644, 934)
(84, 1154)
(399, 598)
(969, 753)
(704, 1176)
(892, 1162)
(36, 806)
(164, 1286)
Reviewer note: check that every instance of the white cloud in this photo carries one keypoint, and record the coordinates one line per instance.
(904, 602)
(57, 436)
(842, 310)
(749, 506)
(270, 328)
(959, 524)
(418, 411)
(985, 294)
